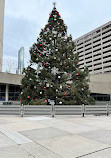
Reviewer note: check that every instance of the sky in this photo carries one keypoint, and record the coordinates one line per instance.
(24, 20)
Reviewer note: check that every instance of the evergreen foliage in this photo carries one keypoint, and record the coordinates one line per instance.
(58, 76)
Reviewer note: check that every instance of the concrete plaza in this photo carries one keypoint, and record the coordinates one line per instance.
(59, 137)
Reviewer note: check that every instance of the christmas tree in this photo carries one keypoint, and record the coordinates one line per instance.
(58, 76)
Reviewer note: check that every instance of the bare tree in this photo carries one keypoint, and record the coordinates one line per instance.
(10, 65)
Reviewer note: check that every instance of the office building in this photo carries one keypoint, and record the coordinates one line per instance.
(10, 87)
(2, 4)
(21, 60)
(95, 49)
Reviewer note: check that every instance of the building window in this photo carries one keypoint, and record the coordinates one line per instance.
(2, 92)
(106, 32)
(104, 28)
(100, 97)
(106, 36)
(14, 92)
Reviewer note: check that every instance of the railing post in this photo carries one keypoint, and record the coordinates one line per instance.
(107, 109)
(53, 110)
(83, 110)
(22, 111)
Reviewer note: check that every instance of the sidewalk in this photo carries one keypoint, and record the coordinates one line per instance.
(59, 137)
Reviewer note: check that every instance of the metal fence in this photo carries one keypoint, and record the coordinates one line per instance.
(55, 110)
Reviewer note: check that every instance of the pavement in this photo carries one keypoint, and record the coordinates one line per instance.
(59, 137)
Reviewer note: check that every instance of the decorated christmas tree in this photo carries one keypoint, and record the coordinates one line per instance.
(57, 75)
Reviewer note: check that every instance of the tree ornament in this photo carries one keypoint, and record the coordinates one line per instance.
(60, 102)
(47, 85)
(54, 70)
(56, 54)
(35, 98)
(78, 74)
(28, 97)
(60, 86)
(46, 101)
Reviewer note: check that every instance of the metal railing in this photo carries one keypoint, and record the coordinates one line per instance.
(55, 110)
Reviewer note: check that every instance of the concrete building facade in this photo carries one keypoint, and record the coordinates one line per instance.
(2, 5)
(10, 87)
(95, 49)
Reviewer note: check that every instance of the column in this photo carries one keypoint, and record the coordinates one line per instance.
(110, 97)
(6, 92)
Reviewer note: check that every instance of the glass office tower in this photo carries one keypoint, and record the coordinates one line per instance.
(21, 60)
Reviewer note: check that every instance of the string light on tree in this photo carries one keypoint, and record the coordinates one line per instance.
(56, 74)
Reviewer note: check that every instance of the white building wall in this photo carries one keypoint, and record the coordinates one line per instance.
(2, 4)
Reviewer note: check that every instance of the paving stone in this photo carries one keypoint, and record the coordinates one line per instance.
(67, 126)
(5, 141)
(45, 133)
(103, 136)
(39, 151)
(100, 154)
(14, 136)
(27, 125)
(72, 146)
(38, 118)
(13, 152)
(9, 119)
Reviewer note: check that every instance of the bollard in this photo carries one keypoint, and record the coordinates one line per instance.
(53, 110)
(83, 114)
(107, 109)
(22, 110)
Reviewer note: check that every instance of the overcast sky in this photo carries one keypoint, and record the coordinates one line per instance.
(25, 18)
